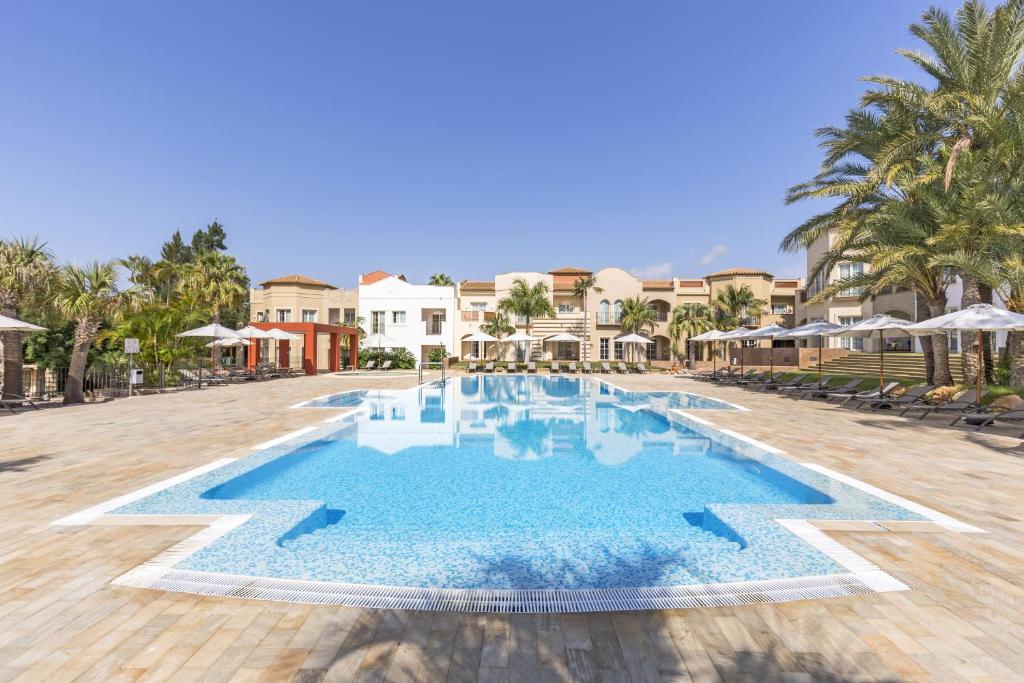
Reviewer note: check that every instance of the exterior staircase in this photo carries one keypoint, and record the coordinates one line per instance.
(546, 327)
(897, 365)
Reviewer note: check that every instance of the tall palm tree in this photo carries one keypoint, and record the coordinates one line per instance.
(581, 288)
(499, 326)
(527, 301)
(441, 280)
(637, 315)
(218, 279)
(26, 268)
(89, 296)
(689, 320)
(739, 303)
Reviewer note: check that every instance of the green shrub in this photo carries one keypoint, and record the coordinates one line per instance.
(437, 355)
(401, 359)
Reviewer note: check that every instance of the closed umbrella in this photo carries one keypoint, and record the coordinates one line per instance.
(980, 318)
(738, 333)
(481, 338)
(877, 323)
(633, 338)
(521, 337)
(815, 328)
(768, 332)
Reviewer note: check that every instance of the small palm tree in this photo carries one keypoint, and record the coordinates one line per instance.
(89, 296)
(527, 301)
(689, 320)
(584, 285)
(26, 268)
(441, 280)
(637, 315)
(739, 303)
(218, 279)
(499, 326)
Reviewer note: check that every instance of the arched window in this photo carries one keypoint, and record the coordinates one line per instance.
(618, 311)
(602, 315)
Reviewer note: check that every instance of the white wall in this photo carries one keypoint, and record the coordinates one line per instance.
(391, 294)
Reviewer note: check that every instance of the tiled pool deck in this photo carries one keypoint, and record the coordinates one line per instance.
(60, 618)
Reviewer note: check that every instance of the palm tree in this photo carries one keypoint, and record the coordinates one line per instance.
(527, 301)
(441, 280)
(89, 296)
(689, 320)
(499, 326)
(584, 285)
(26, 267)
(218, 279)
(738, 304)
(637, 315)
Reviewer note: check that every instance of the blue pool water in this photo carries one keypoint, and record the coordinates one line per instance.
(516, 482)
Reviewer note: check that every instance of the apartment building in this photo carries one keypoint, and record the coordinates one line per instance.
(417, 317)
(302, 299)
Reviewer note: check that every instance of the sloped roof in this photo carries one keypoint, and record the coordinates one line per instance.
(376, 276)
(569, 270)
(739, 271)
(657, 284)
(476, 286)
(298, 280)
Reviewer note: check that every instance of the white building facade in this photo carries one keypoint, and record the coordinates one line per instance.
(418, 317)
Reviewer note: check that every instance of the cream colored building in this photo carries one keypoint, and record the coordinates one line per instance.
(302, 299)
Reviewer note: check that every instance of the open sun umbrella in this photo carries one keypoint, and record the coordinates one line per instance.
(815, 328)
(633, 338)
(215, 330)
(279, 336)
(519, 338)
(564, 337)
(227, 342)
(710, 336)
(481, 338)
(877, 323)
(14, 325)
(738, 333)
(979, 318)
(768, 332)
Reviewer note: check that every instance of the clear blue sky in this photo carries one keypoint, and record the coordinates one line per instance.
(335, 138)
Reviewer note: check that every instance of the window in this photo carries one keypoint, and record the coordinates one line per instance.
(398, 317)
(308, 315)
(652, 351)
(781, 309)
(749, 343)
(284, 315)
(851, 343)
(261, 317)
(603, 315)
(350, 316)
(377, 322)
(521, 319)
(954, 337)
(334, 316)
(851, 270)
(618, 350)
(604, 345)
(478, 306)
(618, 312)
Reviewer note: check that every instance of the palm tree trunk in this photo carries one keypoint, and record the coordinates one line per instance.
(940, 373)
(85, 333)
(1015, 354)
(971, 296)
(986, 298)
(11, 352)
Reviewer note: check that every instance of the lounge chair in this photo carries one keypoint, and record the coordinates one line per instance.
(511, 367)
(623, 370)
(16, 401)
(531, 367)
(915, 395)
(846, 389)
(196, 378)
(370, 365)
(797, 381)
(572, 368)
(641, 368)
(724, 375)
(386, 365)
(555, 367)
(968, 403)
(489, 367)
(738, 379)
(587, 367)
(863, 395)
(766, 378)
(985, 419)
(813, 386)
(606, 368)
(471, 367)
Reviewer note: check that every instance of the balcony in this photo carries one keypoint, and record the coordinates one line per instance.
(609, 319)
(432, 328)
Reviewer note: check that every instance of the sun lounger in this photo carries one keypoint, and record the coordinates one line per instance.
(913, 396)
(813, 386)
(555, 367)
(531, 367)
(587, 367)
(967, 403)
(489, 367)
(370, 365)
(641, 368)
(982, 420)
(195, 378)
(738, 379)
(511, 367)
(862, 395)
(606, 368)
(796, 381)
(815, 392)
(16, 401)
(572, 368)
(471, 367)
(623, 370)
(767, 378)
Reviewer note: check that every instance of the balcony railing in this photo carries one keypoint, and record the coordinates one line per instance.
(434, 328)
(609, 319)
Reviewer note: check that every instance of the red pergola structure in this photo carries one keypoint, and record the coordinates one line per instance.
(309, 356)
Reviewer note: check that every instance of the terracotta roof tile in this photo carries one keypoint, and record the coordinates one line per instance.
(476, 286)
(657, 284)
(569, 270)
(739, 271)
(298, 280)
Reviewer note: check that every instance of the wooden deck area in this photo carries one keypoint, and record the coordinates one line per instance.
(61, 621)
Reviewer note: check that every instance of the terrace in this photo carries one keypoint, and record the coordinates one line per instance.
(60, 616)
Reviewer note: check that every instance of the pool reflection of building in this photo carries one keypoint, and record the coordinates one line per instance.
(525, 420)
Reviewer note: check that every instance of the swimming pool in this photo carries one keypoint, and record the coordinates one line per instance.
(516, 483)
